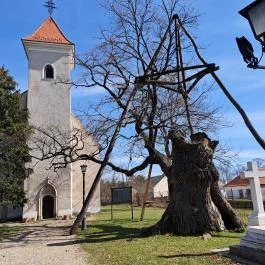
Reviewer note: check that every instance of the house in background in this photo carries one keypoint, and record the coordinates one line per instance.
(158, 187)
(239, 188)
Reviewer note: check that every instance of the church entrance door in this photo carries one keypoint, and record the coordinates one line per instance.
(48, 207)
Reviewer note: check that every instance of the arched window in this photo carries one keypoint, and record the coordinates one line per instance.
(49, 72)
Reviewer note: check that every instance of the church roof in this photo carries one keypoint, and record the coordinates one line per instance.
(49, 32)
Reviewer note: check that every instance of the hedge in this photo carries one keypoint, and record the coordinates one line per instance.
(243, 204)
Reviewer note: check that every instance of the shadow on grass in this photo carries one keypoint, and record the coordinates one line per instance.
(107, 233)
(186, 255)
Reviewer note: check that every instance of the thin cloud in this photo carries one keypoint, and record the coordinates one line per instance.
(251, 154)
(255, 116)
(82, 92)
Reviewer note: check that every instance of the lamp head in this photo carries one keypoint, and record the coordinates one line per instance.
(83, 168)
(254, 13)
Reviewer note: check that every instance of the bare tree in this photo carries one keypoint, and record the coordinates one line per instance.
(155, 111)
(260, 162)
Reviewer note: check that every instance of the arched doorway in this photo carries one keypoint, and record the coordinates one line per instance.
(48, 202)
(48, 207)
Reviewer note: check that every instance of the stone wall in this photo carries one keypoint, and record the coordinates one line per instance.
(10, 212)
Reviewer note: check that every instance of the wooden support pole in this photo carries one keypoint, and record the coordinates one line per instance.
(105, 161)
(111, 205)
(146, 191)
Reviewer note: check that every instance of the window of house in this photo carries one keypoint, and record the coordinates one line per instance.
(248, 194)
(49, 72)
(241, 194)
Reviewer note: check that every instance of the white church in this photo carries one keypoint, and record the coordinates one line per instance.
(52, 195)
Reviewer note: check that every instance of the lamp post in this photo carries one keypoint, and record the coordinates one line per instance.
(83, 169)
(255, 14)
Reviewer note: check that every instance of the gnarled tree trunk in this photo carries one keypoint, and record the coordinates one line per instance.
(229, 216)
(191, 209)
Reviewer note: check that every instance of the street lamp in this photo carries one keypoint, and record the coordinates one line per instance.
(83, 169)
(255, 14)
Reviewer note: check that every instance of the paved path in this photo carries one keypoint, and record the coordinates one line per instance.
(42, 243)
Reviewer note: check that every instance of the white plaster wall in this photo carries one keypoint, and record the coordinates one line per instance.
(263, 193)
(236, 194)
(244, 189)
(161, 188)
(232, 193)
(92, 169)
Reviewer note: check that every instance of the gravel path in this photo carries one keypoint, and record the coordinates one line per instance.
(42, 243)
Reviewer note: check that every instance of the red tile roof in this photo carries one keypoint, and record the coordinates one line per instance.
(238, 181)
(49, 32)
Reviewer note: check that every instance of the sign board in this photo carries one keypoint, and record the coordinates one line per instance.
(121, 195)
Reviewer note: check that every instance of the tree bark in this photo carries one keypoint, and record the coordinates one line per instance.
(229, 216)
(191, 209)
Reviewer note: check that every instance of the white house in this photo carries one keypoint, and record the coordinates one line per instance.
(158, 187)
(239, 188)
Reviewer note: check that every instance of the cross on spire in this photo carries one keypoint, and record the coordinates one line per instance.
(51, 6)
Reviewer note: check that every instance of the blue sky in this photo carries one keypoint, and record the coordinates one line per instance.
(220, 23)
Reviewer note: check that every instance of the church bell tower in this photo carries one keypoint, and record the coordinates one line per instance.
(50, 61)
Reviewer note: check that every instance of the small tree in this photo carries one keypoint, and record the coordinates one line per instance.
(105, 191)
(14, 151)
(260, 162)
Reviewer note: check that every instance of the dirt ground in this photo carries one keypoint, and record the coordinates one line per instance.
(42, 243)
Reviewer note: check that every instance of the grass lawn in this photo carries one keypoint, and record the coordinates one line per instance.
(119, 242)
